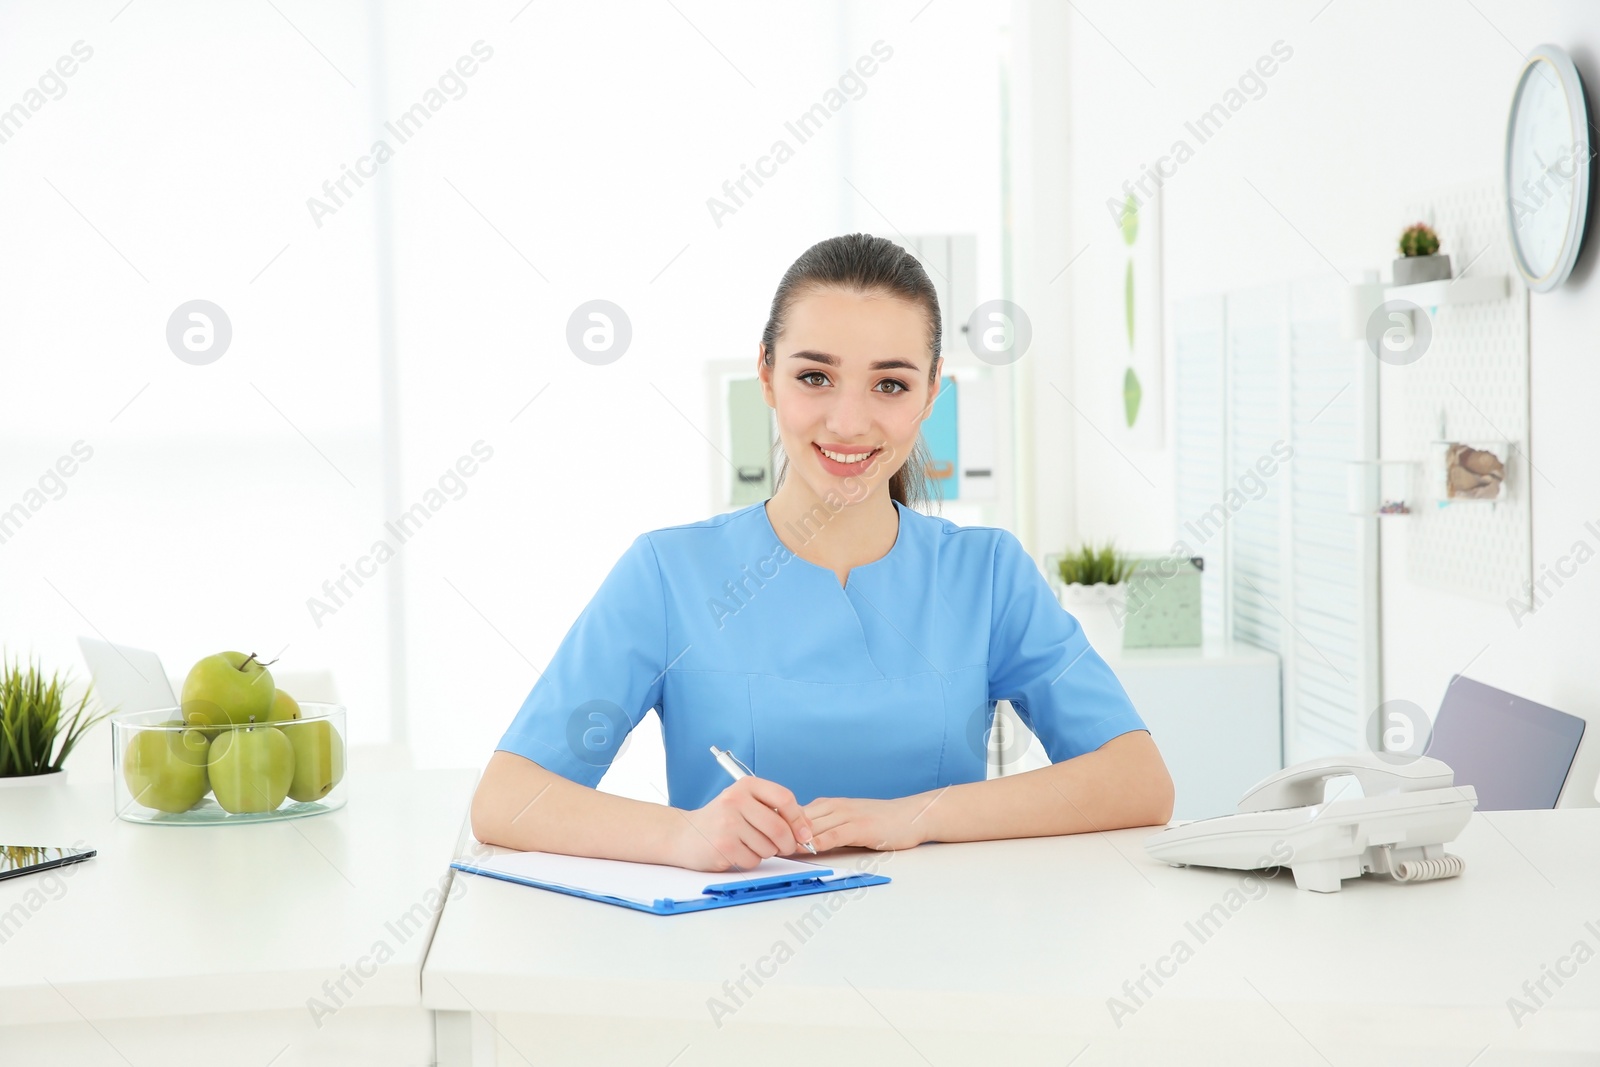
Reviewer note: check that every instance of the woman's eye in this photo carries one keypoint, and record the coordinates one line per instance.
(899, 386)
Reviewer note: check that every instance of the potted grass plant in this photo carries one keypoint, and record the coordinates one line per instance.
(1093, 592)
(38, 728)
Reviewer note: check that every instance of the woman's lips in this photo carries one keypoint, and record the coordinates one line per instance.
(833, 466)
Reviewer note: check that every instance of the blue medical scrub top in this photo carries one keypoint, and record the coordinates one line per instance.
(883, 687)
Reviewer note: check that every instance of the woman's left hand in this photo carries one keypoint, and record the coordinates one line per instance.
(884, 825)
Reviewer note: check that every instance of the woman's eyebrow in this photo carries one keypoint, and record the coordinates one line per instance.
(833, 361)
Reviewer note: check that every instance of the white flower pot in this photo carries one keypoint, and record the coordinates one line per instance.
(50, 778)
(1100, 609)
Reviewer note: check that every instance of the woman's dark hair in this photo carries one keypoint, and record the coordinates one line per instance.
(862, 263)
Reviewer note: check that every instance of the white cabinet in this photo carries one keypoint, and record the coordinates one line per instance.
(1215, 712)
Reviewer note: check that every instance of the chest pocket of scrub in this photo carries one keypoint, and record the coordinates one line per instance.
(878, 739)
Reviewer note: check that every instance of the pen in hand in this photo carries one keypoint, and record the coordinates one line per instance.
(736, 770)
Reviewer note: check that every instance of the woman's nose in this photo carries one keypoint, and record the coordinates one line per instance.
(850, 417)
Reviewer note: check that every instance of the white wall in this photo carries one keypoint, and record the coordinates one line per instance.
(174, 164)
(595, 164)
(1379, 102)
(1041, 192)
(425, 312)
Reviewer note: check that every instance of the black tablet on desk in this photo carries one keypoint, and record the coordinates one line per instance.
(26, 859)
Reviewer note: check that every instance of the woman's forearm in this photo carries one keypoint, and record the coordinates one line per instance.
(1122, 783)
(521, 805)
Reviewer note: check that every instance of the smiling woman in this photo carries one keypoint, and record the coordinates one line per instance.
(858, 684)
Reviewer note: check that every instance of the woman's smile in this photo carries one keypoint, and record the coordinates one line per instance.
(843, 459)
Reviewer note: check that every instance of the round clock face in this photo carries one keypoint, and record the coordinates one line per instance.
(1547, 168)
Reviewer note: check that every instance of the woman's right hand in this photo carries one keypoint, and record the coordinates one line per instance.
(740, 827)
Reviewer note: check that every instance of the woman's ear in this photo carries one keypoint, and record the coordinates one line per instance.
(764, 374)
(933, 391)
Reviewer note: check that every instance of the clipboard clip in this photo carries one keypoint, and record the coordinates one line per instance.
(774, 885)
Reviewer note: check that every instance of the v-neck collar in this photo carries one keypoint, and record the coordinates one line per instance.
(899, 536)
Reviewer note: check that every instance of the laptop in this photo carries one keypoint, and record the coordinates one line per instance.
(128, 679)
(1516, 753)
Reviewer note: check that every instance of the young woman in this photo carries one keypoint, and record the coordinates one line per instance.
(847, 648)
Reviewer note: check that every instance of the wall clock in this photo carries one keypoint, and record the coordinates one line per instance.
(1547, 168)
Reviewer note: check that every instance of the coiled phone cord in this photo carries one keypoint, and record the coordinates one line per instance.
(1446, 866)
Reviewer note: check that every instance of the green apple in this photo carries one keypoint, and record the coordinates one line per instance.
(229, 687)
(166, 769)
(318, 759)
(250, 768)
(284, 707)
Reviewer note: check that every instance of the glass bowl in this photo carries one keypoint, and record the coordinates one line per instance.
(167, 772)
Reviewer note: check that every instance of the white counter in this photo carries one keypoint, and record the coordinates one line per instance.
(183, 945)
(1012, 951)
(236, 927)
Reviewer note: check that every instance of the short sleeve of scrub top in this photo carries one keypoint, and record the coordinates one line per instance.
(883, 687)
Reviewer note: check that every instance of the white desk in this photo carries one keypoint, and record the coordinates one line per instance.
(233, 928)
(1008, 952)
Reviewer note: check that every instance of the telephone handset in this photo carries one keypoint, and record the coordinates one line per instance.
(1304, 783)
(1398, 827)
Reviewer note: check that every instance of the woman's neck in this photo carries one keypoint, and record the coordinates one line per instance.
(838, 537)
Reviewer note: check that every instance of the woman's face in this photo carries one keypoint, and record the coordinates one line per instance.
(851, 376)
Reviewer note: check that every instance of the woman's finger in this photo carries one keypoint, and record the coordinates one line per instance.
(783, 802)
(757, 842)
(828, 819)
(770, 825)
(819, 806)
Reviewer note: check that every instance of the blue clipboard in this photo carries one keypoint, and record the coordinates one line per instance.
(717, 894)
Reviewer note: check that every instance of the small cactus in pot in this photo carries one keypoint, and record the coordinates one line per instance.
(1419, 240)
(1419, 260)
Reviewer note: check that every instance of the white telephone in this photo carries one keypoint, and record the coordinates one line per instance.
(1399, 827)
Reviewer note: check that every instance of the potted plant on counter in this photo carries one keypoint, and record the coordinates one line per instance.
(37, 728)
(1419, 261)
(1092, 590)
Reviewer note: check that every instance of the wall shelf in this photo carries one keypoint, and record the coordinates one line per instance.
(1472, 289)
(1382, 487)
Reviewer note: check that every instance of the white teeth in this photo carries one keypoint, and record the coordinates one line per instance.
(841, 458)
